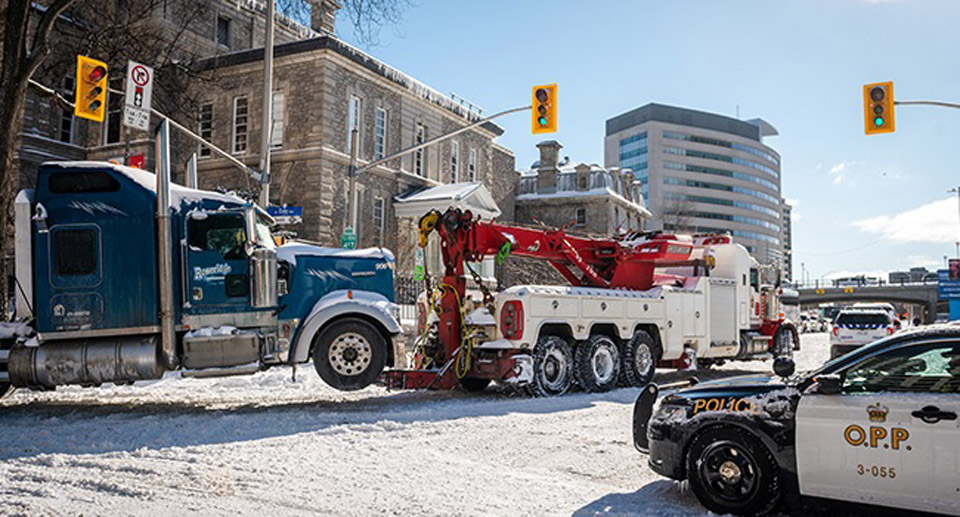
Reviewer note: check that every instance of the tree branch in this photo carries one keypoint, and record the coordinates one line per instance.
(40, 46)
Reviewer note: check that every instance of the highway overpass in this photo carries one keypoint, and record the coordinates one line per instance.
(923, 294)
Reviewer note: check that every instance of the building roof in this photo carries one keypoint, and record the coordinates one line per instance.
(465, 196)
(359, 57)
(689, 117)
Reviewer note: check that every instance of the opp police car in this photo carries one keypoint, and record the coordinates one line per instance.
(857, 326)
(877, 426)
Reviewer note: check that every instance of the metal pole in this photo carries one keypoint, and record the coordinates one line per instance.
(192, 171)
(440, 138)
(168, 344)
(352, 175)
(957, 190)
(267, 109)
(928, 103)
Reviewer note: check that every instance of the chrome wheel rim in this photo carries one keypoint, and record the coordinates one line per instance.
(603, 365)
(350, 354)
(644, 359)
(554, 371)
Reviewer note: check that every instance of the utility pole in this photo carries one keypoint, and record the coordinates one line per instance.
(957, 192)
(267, 108)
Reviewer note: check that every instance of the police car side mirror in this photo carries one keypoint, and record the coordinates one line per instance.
(784, 366)
(828, 384)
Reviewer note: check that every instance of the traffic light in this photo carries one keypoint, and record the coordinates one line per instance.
(544, 109)
(878, 108)
(91, 89)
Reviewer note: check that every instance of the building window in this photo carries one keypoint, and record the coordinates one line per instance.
(223, 31)
(581, 216)
(454, 162)
(114, 112)
(378, 206)
(582, 183)
(205, 121)
(472, 165)
(380, 136)
(240, 113)
(418, 138)
(353, 122)
(66, 115)
(276, 131)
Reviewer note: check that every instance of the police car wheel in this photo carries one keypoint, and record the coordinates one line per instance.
(640, 357)
(552, 367)
(474, 384)
(349, 354)
(732, 472)
(597, 364)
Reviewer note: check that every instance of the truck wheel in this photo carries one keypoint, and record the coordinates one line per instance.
(349, 354)
(640, 358)
(552, 367)
(784, 342)
(474, 384)
(597, 364)
(732, 472)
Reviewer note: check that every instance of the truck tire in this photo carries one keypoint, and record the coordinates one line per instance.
(597, 364)
(349, 354)
(552, 367)
(474, 384)
(784, 342)
(640, 357)
(731, 472)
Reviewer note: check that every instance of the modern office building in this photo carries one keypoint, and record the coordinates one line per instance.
(703, 172)
(786, 224)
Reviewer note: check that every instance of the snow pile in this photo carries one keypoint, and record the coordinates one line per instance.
(290, 251)
(225, 330)
(15, 329)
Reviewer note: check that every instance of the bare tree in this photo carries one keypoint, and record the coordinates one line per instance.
(676, 214)
(366, 17)
(26, 43)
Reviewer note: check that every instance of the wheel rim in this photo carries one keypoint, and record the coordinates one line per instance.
(729, 472)
(643, 362)
(554, 370)
(603, 365)
(350, 354)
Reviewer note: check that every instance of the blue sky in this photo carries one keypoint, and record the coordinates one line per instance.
(863, 203)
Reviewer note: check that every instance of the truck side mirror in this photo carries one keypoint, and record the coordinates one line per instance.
(250, 225)
(828, 384)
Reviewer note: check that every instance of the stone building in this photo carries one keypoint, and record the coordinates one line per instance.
(588, 199)
(323, 89)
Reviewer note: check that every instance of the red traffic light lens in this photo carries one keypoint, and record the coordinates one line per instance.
(877, 94)
(542, 95)
(97, 73)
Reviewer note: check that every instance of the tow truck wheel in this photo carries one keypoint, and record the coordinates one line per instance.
(474, 384)
(349, 354)
(597, 364)
(552, 367)
(732, 472)
(640, 358)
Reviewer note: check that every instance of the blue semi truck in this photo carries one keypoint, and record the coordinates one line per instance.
(121, 278)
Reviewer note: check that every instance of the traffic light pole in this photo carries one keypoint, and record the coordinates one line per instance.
(355, 169)
(928, 103)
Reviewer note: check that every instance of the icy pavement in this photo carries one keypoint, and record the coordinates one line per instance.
(267, 445)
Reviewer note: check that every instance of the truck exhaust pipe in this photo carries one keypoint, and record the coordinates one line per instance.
(168, 345)
(88, 363)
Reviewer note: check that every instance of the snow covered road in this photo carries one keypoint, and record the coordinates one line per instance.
(265, 445)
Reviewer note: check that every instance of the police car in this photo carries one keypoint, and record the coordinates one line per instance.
(858, 326)
(877, 426)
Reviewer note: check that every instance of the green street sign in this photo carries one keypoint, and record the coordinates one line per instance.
(418, 265)
(348, 240)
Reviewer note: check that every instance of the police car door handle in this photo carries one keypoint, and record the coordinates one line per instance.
(932, 414)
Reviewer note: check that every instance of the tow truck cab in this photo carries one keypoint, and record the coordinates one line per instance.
(88, 269)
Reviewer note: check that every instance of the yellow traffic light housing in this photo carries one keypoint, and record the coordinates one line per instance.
(544, 109)
(878, 108)
(91, 97)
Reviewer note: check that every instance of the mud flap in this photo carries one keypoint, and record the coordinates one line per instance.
(642, 411)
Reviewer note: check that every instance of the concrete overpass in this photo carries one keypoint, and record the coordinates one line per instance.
(924, 294)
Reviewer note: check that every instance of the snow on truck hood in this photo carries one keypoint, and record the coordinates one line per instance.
(290, 251)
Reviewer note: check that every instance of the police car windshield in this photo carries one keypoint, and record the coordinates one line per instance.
(850, 357)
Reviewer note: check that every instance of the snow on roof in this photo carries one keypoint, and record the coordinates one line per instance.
(465, 196)
(601, 191)
(148, 180)
(565, 167)
(290, 251)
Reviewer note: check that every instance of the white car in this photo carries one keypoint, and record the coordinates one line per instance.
(857, 327)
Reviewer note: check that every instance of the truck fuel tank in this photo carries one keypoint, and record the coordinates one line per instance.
(88, 362)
